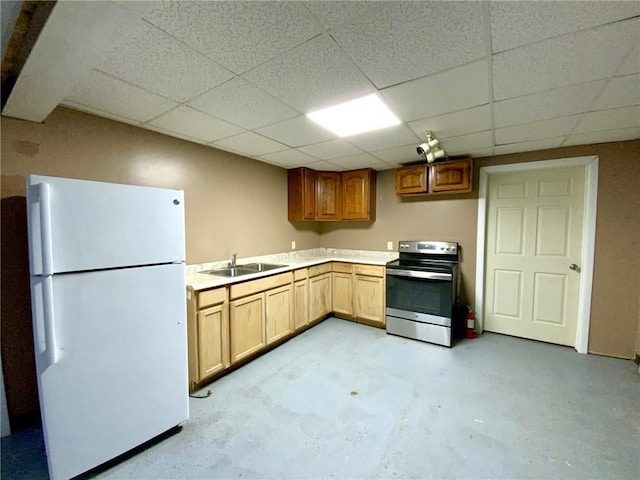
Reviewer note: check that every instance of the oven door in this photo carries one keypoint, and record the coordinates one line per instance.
(420, 296)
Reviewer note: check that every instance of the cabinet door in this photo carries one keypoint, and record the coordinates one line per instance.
(328, 201)
(369, 293)
(301, 304)
(279, 313)
(246, 318)
(358, 194)
(301, 193)
(451, 176)
(319, 296)
(213, 340)
(342, 293)
(411, 179)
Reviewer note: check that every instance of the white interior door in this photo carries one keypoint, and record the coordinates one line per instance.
(533, 237)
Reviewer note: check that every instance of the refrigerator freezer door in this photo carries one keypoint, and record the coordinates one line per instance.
(119, 376)
(77, 225)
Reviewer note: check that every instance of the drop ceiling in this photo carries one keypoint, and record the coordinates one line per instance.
(488, 78)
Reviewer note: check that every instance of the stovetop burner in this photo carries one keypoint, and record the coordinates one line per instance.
(426, 256)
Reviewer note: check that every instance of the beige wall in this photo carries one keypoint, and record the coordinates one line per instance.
(232, 203)
(615, 305)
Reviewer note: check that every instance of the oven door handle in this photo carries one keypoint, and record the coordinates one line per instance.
(418, 274)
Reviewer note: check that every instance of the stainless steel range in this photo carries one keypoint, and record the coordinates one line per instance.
(422, 291)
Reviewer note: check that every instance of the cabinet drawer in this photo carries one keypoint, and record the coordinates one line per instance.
(370, 270)
(211, 297)
(301, 274)
(255, 286)
(319, 269)
(342, 267)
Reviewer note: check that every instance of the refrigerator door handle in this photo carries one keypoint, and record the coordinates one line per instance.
(46, 239)
(51, 347)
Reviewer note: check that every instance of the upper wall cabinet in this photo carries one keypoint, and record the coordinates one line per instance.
(451, 176)
(331, 196)
(359, 194)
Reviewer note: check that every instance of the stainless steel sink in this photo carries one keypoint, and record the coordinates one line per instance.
(246, 269)
(262, 267)
(230, 272)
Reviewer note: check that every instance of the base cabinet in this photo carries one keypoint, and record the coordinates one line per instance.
(247, 321)
(300, 299)
(359, 295)
(279, 313)
(213, 341)
(369, 300)
(319, 296)
(207, 334)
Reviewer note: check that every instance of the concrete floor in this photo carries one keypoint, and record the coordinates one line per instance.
(348, 401)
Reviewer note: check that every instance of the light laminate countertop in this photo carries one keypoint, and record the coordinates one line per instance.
(293, 260)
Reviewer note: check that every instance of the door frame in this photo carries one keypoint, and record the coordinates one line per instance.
(590, 165)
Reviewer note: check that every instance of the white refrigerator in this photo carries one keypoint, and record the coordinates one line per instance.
(109, 317)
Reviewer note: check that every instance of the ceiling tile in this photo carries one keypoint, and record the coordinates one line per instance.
(169, 133)
(314, 75)
(562, 61)
(331, 149)
(620, 92)
(289, 158)
(609, 119)
(529, 146)
(537, 130)
(514, 24)
(361, 160)
(332, 14)
(99, 113)
(238, 35)
(453, 124)
(457, 89)
(324, 166)
(155, 61)
(550, 104)
(250, 143)
(296, 132)
(384, 138)
(241, 103)
(187, 121)
(105, 93)
(481, 152)
(617, 135)
(631, 63)
(465, 144)
(398, 155)
(401, 41)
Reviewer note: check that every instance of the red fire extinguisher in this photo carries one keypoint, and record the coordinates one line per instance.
(471, 323)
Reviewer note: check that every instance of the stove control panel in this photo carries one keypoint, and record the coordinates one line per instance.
(418, 246)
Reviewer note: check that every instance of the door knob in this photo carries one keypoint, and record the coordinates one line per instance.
(574, 267)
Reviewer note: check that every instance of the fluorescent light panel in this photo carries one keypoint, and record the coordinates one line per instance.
(363, 114)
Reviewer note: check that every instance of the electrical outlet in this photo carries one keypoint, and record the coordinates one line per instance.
(389, 245)
(293, 245)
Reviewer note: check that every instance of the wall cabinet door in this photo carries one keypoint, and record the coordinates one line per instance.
(358, 194)
(301, 304)
(328, 196)
(319, 296)
(246, 319)
(369, 300)
(342, 293)
(411, 179)
(279, 313)
(450, 176)
(213, 341)
(301, 194)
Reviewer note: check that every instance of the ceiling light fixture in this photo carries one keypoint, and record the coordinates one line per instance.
(363, 114)
(432, 150)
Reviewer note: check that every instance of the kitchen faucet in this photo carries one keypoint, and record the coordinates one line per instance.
(232, 263)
